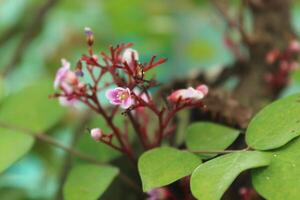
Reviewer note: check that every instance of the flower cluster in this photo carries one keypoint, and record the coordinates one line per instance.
(127, 92)
(285, 60)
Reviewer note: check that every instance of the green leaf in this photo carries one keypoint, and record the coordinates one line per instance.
(210, 180)
(281, 179)
(207, 136)
(2, 87)
(31, 108)
(275, 125)
(162, 166)
(13, 145)
(88, 182)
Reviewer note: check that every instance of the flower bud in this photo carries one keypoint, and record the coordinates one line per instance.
(272, 56)
(294, 46)
(89, 36)
(202, 88)
(96, 134)
(130, 55)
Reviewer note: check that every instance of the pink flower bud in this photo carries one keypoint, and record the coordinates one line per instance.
(294, 46)
(272, 56)
(202, 88)
(130, 55)
(189, 94)
(120, 96)
(96, 134)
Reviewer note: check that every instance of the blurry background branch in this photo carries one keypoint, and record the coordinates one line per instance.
(70, 150)
(31, 30)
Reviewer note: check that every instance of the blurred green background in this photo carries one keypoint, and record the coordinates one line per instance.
(32, 42)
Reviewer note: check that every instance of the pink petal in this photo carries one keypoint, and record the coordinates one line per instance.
(203, 88)
(61, 73)
(112, 95)
(127, 103)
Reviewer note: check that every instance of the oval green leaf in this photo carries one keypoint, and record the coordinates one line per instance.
(210, 180)
(161, 166)
(281, 179)
(13, 145)
(275, 125)
(31, 108)
(208, 136)
(88, 182)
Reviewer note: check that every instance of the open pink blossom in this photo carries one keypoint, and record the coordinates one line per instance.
(96, 134)
(294, 46)
(120, 96)
(189, 94)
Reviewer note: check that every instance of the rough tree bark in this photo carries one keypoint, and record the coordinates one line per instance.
(271, 28)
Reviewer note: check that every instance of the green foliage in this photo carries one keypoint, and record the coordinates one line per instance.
(162, 166)
(2, 87)
(210, 180)
(13, 145)
(31, 108)
(88, 182)
(281, 179)
(207, 136)
(275, 125)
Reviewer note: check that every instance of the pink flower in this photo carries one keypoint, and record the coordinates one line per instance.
(120, 96)
(189, 94)
(96, 134)
(64, 75)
